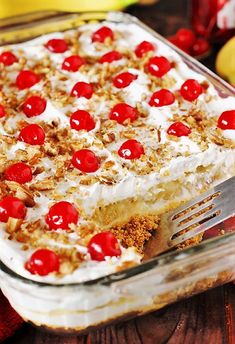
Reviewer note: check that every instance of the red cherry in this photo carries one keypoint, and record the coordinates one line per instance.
(178, 129)
(61, 215)
(186, 37)
(82, 89)
(81, 119)
(158, 66)
(143, 48)
(103, 245)
(43, 262)
(110, 57)
(12, 207)
(73, 63)
(32, 134)
(121, 112)
(102, 34)
(131, 149)
(86, 161)
(26, 79)
(174, 40)
(8, 58)
(124, 79)
(161, 98)
(34, 106)
(2, 111)
(227, 120)
(56, 45)
(200, 47)
(18, 172)
(191, 90)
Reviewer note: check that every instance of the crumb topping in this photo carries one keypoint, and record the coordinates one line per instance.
(137, 231)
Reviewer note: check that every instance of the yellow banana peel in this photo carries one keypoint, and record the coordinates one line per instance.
(10, 8)
(225, 61)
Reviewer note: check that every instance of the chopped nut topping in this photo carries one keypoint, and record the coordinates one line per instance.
(54, 175)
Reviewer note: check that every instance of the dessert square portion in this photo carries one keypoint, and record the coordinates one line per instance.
(102, 129)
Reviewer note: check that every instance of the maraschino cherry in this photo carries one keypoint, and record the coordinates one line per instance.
(131, 149)
(12, 207)
(43, 262)
(124, 79)
(143, 48)
(178, 129)
(110, 57)
(174, 40)
(162, 97)
(102, 34)
(61, 215)
(227, 120)
(26, 79)
(122, 112)
(200, 47)
(86, 161)
(73, 63)
(82, 89)
(186, 37)
(103, 245)
(56, 45)
(186, 40)
(158, 66)
(34, 106)
(19, 172)
(191, 90)
(2, 111)
(32, 134)
(8, 58)
(82, 120)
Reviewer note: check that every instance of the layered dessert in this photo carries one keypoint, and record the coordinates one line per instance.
(102, 129)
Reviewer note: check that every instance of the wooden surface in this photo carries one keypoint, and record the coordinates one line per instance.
(208, 318)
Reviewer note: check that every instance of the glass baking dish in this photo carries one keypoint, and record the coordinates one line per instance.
(81, 307)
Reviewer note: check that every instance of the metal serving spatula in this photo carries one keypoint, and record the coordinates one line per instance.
(193, 218)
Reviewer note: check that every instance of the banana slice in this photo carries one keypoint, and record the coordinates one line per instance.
(225, 61)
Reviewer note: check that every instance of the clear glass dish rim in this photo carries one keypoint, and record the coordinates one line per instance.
(167, 258)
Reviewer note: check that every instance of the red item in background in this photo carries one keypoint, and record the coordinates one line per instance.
(227, 226)
(10, 321)
(214, 19)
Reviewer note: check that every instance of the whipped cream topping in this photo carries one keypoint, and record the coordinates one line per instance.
(126, 179)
